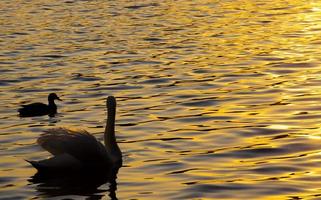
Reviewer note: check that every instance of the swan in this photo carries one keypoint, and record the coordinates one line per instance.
(78, 151)
(38, 109)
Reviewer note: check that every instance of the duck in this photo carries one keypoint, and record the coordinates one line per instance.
(77, 151)
(39, 109)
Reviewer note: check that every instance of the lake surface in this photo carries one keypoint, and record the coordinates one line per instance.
(216, 99)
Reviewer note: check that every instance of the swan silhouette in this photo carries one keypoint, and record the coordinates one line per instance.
(38, 109)
(78, 151)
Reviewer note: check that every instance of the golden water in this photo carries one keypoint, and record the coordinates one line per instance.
(216, 99)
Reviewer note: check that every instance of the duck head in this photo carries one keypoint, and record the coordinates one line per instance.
(53, 96)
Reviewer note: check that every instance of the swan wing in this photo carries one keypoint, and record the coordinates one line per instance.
(77, 143)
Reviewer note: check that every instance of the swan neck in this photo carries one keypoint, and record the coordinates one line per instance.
(109, 136)
(110, 127)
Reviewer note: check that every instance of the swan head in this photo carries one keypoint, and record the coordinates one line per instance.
(111, 102)
(53, 96)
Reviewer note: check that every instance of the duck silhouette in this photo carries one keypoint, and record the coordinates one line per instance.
(39, 109)
(78, 152)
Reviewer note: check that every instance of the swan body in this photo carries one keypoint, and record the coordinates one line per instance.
(38, 109)
(77, 150)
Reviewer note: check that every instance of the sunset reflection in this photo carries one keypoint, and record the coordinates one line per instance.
(216, 99)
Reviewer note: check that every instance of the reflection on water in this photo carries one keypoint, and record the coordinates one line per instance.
(80, 184)
(217, 99)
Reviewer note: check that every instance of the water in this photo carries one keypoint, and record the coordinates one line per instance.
(216, 99)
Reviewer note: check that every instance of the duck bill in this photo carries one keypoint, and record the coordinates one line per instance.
(59, 99)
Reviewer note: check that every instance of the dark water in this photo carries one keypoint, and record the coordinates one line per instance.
(216, 99)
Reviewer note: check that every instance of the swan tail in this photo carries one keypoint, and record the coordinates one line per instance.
(35, 164)
(61, 163)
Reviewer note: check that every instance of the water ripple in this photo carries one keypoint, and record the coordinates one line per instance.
(216, 99)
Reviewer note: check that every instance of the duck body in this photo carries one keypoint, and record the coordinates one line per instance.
(77, 151)
(39, 109)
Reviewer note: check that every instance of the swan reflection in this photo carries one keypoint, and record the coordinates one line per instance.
(51, 185)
